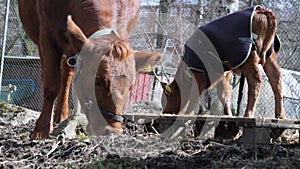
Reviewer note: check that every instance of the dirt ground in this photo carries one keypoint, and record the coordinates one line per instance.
(135, 149)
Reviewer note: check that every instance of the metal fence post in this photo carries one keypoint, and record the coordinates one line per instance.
(4, 40)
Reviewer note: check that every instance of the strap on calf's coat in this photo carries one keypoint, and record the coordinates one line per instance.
(168, 89)
(274, 46)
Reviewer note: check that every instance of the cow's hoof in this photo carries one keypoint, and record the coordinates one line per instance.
(39, 136)
(103, 130)
(58, 118)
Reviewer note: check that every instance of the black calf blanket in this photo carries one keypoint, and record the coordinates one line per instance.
(227, 39)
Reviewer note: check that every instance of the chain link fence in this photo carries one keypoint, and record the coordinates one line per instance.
(163, 25)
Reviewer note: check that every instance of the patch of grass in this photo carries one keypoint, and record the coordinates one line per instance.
(22, 132)
(9, 108)
(267, 162)
(100, 164)
(3, 108)
(236, 163)
(109, 164)
(81, 144)
(68, 165)
(82, 137)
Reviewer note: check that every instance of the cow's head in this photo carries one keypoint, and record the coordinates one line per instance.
(105, 73)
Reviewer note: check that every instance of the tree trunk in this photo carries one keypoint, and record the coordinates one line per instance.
(164, 6)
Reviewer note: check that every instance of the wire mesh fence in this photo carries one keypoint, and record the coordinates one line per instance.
(162, 25)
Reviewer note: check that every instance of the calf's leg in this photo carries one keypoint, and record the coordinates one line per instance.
(254, 80)
(198, 85)
(274, 74)
(224, 93)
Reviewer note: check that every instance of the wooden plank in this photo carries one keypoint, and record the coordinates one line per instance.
(255, 130)
(278, 123)
(241, 121)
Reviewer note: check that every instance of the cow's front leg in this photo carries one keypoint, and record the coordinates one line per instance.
(275, 78)
(62, 109)
(254, 80)
(50, 58)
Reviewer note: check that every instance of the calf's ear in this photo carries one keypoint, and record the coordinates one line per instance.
(144, 60)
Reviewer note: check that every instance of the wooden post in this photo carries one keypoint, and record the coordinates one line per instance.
(253, 136)
(9, 88)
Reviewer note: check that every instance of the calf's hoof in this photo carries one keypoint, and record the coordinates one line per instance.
(111, 130)
(226, 131)
(276, 133)
(281, 116)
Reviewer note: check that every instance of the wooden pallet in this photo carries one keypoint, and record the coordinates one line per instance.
(255, 130)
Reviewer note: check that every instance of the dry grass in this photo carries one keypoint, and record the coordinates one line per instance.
(136, 151)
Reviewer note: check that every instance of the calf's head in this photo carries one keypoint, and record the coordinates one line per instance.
(171, 98)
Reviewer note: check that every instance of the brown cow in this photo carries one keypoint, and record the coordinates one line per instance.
(189, 83)
(60, 29)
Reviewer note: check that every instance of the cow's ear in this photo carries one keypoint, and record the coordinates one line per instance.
(75, 35)
(144, 60)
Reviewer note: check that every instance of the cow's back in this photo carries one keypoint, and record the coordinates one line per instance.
(29, 18)
(92, 15)
(89, 15)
